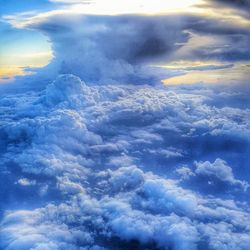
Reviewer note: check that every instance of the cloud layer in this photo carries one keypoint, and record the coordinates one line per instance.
(121, 167)
(123, 44)
(96, 154)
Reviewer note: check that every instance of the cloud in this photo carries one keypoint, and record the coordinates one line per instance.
(207, 67)
(112, 162)
(143, 207)
(185, 172)
(107, 160)
(128, 54)
(135, 52)
(241, 4)
(220, 170)
(72, 1)
(26, 182)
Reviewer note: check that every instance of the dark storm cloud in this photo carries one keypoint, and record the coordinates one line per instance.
(124, 44)
(244, 4)
(230, 40)
(238, 7)
(89, 46)
(212, 26)
(234, 49)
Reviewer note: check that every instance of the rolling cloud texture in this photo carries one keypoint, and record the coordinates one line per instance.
(102, 156)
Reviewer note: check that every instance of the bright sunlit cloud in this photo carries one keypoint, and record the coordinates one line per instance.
(113, 7)
(130, 6)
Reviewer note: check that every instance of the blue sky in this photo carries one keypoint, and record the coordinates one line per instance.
(21, 47)
(15, 6)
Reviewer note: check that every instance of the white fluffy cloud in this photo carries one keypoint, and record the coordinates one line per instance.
(106, 161)
(219, 169)
(133, 205)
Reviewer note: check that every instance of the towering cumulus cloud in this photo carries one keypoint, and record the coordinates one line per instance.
(112, 49)
(104, 157)
(127, 49)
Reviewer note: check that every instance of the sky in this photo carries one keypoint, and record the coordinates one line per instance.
(215, 38)
(124, 126)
